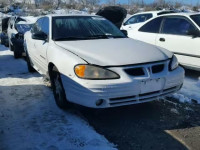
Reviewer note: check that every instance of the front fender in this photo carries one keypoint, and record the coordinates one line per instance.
(64, 60)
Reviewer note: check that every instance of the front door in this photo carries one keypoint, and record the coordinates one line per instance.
(176, 38)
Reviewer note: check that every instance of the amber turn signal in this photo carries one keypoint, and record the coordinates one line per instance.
(80, 70)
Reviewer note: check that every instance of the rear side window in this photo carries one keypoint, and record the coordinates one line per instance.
(153, 26)
(177, 26)
(138, 19)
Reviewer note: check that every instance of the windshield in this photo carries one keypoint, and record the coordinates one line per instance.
(196, 19)
(83, 28)
(22, 28)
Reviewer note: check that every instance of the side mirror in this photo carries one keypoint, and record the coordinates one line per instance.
(194, 33)
(125, 32)
(39, 36)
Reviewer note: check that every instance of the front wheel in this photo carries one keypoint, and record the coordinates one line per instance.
(58, 90)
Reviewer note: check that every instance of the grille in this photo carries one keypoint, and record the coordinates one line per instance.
(135, 71)
(157, 68)
(140, 71)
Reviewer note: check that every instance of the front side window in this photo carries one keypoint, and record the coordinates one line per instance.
(83, 27)
(138, 19)
(45, 25)
(196, 19)
(177, 26)
(153, 26)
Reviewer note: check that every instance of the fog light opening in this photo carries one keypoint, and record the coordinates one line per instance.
(99, 102)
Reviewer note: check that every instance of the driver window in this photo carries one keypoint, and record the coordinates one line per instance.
(45, 25)
(132, 20)
(37, 27)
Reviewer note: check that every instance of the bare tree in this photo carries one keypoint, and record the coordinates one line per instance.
(112, 2)
(92, 2)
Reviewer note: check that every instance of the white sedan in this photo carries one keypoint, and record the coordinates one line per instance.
(139, 18)
(179, 33)
(92, 63)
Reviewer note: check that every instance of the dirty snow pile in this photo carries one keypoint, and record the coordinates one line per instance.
(30, 119)
(190, 92)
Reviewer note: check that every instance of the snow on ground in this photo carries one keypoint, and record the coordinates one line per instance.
(30, 119)
(190, 92)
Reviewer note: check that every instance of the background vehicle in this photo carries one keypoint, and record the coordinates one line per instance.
(140, 18)
(4, 27)
(17, 27)
(18, 38)
(92, 63)
(12, 30)
(179, 33)
(115, 14)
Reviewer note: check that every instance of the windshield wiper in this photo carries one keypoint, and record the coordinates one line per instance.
(70, 38)
(101, 36)
(119, 37)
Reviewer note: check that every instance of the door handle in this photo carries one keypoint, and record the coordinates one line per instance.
(162, 39)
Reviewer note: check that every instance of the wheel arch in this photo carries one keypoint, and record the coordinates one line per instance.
(51, 66)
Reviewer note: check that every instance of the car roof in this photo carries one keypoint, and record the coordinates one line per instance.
(182, 14)
(75, 15)
(153, 12)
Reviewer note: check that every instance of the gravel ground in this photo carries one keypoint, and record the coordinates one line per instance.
(158, 125)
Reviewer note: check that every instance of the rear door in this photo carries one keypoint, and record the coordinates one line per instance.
(175, 37)
(148, 32)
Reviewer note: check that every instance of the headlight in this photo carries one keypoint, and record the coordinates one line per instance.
(94, 72)
(173, 63)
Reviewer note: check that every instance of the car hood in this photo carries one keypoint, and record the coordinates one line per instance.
(115, 14)
(115, 52)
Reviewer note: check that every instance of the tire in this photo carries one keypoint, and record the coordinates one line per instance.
(17, 54)
(29, 66)
(58, 89)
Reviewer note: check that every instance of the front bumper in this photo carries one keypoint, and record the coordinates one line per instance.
(123, 91)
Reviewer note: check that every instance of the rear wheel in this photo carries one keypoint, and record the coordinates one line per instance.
(58, 89)
(30, 67)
